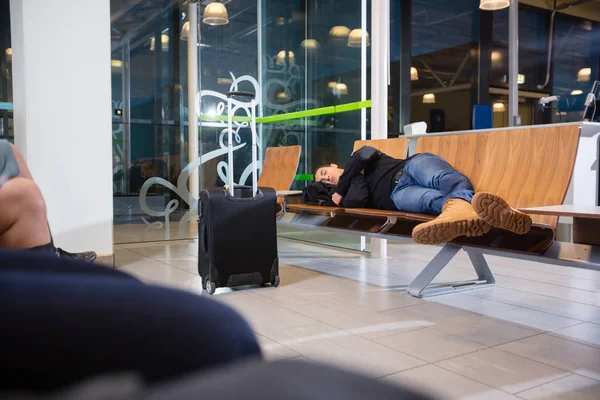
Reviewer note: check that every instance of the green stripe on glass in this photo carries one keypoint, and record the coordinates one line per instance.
(304, 177)
(285, 118)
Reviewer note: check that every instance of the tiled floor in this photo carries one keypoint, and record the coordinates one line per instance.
(535, 336)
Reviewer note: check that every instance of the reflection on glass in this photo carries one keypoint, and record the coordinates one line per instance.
(584, 75)
(216, 14)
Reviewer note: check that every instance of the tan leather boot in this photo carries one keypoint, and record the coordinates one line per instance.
(498, 213)
(458, 218)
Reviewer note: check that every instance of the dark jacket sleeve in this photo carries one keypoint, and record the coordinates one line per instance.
(357, 162)
(358, 194)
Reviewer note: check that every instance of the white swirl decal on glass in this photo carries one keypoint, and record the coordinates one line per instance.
(182, 181)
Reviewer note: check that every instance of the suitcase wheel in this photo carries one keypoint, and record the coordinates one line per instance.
(210, 286)
(275, 281)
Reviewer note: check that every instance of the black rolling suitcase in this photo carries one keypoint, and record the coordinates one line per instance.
(237, 229)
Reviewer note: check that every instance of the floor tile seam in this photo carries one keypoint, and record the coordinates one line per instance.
(277, 343)
(455, 336)
(530, 270)
(405, 370)
(314, 322)
(486, 384)
(500, 274)
(351, 267)
(554, 297)
(380, 344)
(542, 384)
(151, 243)
(430, 362)
(500, 344)
(558, 286)
(478, 312)
(550, 273)
(531, 359)
(526, 308)
(331, 296)
(319, 245)
(556, 334)
(138, 253)
(517, 340)
(397, 333)
(318, 302)
(468, 377)
(340, 277)
(587, 377)
(279, 304)
(172, 266)
(496, 315)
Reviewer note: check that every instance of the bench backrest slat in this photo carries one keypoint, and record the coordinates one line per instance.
(527, 167)
(279, 167)
(453, 149)
(396, 147)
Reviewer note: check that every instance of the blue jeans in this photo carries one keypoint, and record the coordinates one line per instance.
(427, 182)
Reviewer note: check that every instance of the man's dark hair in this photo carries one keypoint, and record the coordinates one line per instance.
(317, 170)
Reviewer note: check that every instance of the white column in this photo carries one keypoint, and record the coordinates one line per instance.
(380, 21)
(513, 63)
(62, 114)
(363, 85)
(193, 151)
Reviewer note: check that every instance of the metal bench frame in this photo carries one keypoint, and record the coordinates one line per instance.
(558, 253)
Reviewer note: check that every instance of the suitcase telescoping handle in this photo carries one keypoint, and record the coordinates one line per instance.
(250, 95)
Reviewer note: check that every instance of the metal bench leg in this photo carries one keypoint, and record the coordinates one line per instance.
(420, 286)
(484, 273)
(435, 266)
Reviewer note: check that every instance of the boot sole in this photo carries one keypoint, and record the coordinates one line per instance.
(444, 232)
(498, 213)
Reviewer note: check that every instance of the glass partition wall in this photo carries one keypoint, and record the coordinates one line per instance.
(297, 56)
(313, 60)
(307, 56)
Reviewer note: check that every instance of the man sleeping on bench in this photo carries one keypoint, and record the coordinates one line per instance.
(423, 183)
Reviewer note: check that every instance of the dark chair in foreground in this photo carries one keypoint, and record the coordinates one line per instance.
(64, 321)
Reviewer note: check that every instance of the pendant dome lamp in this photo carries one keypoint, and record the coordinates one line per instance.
(215, 14)
(493, 5)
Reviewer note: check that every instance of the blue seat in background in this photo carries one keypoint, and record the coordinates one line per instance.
(483, 116)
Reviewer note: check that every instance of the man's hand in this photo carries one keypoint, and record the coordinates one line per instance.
(336, 198)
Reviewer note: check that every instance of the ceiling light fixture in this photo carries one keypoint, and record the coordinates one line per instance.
(339, 33)
(493, 5)
(215, 14)
(414, 74)
(280, 59)
(310, 44)
(429, 98)
(584, 74)
(355, 38)
(164, 40)
(499, 107)
(340, 89)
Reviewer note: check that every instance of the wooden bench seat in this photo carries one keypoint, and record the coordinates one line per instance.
(369, 212)
(529, 167)
(312, 209)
